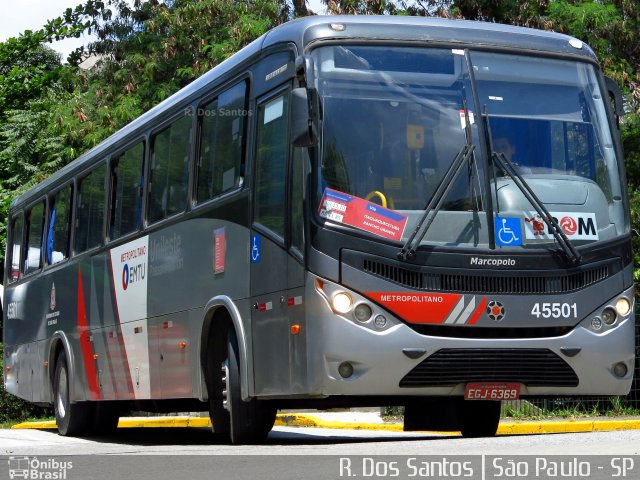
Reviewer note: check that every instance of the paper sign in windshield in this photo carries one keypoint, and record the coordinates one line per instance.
(359, 213)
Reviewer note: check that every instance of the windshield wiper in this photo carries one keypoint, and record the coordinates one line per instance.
(509, 168)
(500, 160)
(432, 208)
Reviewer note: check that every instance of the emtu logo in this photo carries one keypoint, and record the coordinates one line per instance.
(125, 276)
(133, 274)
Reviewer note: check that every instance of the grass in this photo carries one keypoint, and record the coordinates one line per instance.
(547, 409)
(567, 408)
(10, 424)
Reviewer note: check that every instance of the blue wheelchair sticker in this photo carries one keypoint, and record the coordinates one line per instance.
(508, 231)
(255, 248)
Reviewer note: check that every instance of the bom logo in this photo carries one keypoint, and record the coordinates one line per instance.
(569, 225)
(133, 274)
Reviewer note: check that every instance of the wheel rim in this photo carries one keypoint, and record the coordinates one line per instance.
(62, 399)
(225, 386)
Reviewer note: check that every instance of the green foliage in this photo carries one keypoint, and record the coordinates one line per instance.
(25, 78)
(13, 409)
(361, 7)
(612, 29)
(148, 52)
(30, 150)
(51, 113)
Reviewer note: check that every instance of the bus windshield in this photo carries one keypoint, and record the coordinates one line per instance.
(394, 120)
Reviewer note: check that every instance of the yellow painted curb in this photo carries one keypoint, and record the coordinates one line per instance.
(567, 426)
(506, 428)
(133, 422)
(311, 421)
(41, 425)
(303, 420)
(163, 422)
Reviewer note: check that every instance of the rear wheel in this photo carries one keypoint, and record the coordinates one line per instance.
(250, 422)
(479, 418)
(73, 419)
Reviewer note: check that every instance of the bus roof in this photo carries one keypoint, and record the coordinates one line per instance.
(305, 33)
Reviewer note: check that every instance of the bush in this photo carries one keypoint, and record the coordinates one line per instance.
(14, 409)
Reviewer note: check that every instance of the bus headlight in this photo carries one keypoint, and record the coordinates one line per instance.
(620, 369)
(345, 369)
(362, 312)
(623, 306)
(352, 306)
(341, 302)
(609, 316)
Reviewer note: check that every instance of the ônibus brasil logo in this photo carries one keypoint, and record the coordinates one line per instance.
(35, 469)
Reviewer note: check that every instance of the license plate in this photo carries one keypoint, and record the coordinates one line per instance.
(492, 391)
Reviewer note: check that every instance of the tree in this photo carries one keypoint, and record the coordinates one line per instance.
(361, 7)
(52, 113)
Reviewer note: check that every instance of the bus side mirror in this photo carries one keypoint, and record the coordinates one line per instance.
(616, 98)
(305, 108)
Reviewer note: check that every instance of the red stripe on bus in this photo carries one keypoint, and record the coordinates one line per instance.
(85, 343)
(125, 359)
(478, 311)
(420, 307)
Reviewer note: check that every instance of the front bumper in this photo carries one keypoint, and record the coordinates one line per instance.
(380, 360)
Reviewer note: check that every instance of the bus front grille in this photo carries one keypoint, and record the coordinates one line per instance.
(526, 282)
(530, 366)
(458, 331)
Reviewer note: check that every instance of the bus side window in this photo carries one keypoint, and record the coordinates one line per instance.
(17, 227)
(91, 206)
(271, 163)
(126, 195)
(223, 126)
(59, 226)
(34, 239)
(170, 170)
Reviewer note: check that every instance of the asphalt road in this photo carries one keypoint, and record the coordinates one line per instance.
(312, 453)
(316, 441)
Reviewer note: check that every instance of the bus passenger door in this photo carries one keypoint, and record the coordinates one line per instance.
(269, 256)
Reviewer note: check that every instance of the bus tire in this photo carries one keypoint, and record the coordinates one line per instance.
(250, 421)
(73, 419)
(479, 418)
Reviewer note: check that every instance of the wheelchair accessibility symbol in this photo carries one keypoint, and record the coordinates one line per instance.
(255, 248)
(508, 231)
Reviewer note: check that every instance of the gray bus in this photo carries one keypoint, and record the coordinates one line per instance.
(350, 211)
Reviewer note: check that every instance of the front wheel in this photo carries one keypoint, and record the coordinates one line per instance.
(73, 419)
(250, 422)
(479, 418)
